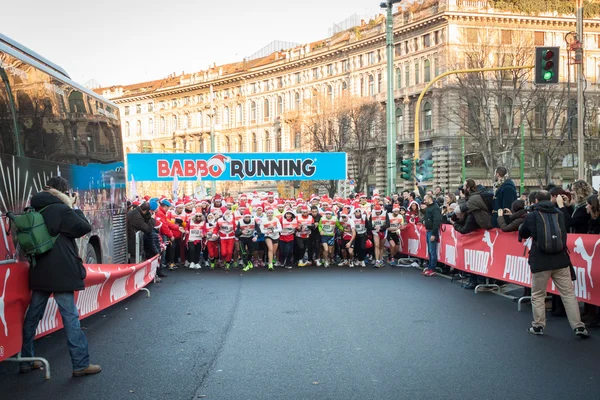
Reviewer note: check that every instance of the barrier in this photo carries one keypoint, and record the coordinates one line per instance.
(499, 255)
(105, 285)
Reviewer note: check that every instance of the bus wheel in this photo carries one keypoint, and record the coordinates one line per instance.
(90, 255)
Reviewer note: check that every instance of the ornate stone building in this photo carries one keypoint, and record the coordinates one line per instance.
(253, 97)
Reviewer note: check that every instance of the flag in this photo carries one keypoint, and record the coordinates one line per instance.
(132, 189)
(175, 187)
(200, 192)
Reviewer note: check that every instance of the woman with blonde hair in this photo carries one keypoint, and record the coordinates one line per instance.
(578, 223)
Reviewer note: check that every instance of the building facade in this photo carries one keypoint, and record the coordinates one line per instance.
(253, 99)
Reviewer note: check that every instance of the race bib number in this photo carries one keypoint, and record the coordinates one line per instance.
(195, 234)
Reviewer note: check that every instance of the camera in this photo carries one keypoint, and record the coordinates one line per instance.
(530, 208)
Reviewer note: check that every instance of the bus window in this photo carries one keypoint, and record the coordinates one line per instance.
(8, 132)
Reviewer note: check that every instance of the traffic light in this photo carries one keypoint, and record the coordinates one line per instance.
(547, 60)
(407, 170)
(424, 170)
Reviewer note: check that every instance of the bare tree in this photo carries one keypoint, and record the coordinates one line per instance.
(491, 101)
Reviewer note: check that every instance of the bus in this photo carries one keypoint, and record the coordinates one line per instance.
(49, 126)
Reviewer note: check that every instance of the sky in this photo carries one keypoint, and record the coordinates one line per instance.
(129, 41)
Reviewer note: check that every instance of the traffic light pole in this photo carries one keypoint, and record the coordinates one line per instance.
(437, 78)
(390, 109)
(580, 98)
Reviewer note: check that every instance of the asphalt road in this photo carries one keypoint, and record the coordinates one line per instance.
(316, 334)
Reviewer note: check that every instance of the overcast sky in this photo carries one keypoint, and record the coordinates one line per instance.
(129, 41)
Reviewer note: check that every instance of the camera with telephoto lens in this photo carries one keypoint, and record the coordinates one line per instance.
(530, 208)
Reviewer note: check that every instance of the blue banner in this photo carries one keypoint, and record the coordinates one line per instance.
(237, 166)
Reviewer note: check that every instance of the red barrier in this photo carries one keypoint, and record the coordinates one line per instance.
(105, 286)
(499, 255)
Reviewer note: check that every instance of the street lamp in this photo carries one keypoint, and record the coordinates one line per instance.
(391, 128)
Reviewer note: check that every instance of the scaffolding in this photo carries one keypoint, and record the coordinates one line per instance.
(271, 48)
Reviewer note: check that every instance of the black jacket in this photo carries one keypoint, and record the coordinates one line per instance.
(478, 208)
(466, 224)
(594, 226)
(538, 260)
(61, 269)
(505, 195)
(136, 221)
(151, 242)
(579, 220)
(433, 219)
(511, 223)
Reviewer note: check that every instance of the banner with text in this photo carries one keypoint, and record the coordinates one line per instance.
(237, 166)
(499, 255)
(105, 285)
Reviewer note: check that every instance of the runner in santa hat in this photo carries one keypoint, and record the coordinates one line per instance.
(361, 227)
(247, 231)
(212, 243)
(196, 236)
(289, 226)
(225, 229)
(348, 235)
(314, 243)
(378, 222)
(327, 226)
(218, 207)
(188, 208)
(271, 227)
(261, 247)
(280, 208)
(271, 199)
(394, 224)
(305, 224)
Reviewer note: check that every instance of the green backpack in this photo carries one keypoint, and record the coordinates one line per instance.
(31, 232)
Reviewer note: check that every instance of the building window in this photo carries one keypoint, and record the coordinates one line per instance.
(199, 120)
(427, 114)
(315, 73)
(279, 82)
(150, 107)
(417, 74)
(329, 69)
(345, 65)
(398, 78)
(127, 131)
(138, 108)
(471, 35)
(253, 112)
(297, 140)
(266, 110)
(227, 144)
(279, 105)
(174, 123)
(239, 147)
(539, 119)
(252, 88)
(267, 142)
(398, 50)
(163, 125)
(426, 71)
(267, 84)
(330, 93)
(138, 128)
(126, 110)
(436, 66)
(254, 143)
(344, 87)
(226, 116)
(427, 40)
(379, 82)
(538, 38)
(407, 75)
(297, 101)
(362, 86)
(151, 127)
(372, 58)
(297, 77)
(238, 114)
(174, 103)
(399, 122)
(506, 36)
(278, 141)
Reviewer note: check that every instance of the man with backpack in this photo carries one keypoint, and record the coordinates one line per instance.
(58, 271)
(548, 258)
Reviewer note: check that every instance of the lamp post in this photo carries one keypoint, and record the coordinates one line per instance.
(212, 135)
(391, 128)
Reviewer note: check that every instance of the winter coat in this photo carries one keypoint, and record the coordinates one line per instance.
(505, 195)
(151, 243)
(467, 224)
(433, 219)
(579, 219)
(511, 223)
(477, 206)
(136, 221)
(538, 260)
(594, 226)
(60, 269)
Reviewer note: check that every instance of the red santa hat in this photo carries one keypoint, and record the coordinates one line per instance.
(395, 207)
(147, 198)
(179, 203)
(136, 203)
(247, 212)
(218, 197)
(328, 210)
(304, 208)
(270, 194)
(377, 208)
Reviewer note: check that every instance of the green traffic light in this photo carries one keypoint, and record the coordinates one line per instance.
(547, 75)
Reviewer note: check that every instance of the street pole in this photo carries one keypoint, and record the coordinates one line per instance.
(464, 165)
(580, 99)
(390, 109)
(522, 158)
(212, 136)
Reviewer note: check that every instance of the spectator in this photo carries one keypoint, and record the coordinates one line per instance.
(580, 191)
(562, 199)
(545, 265)
(412, 214)
(152, 245)
(405, 199)
(505, 192)
(138, 219)
(432, 222)
(525, 197)
(510, 220)
(438, 191)
(593, 209)
(60, 272)
(475, 209)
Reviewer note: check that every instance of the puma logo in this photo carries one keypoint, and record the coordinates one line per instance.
(2, 312)
(582, 251)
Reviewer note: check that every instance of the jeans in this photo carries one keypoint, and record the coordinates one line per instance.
(432, 250)
(76, 340)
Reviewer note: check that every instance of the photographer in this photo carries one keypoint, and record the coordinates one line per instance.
(476, 211)
(59, 271)
(548, 258)
(510, 220)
